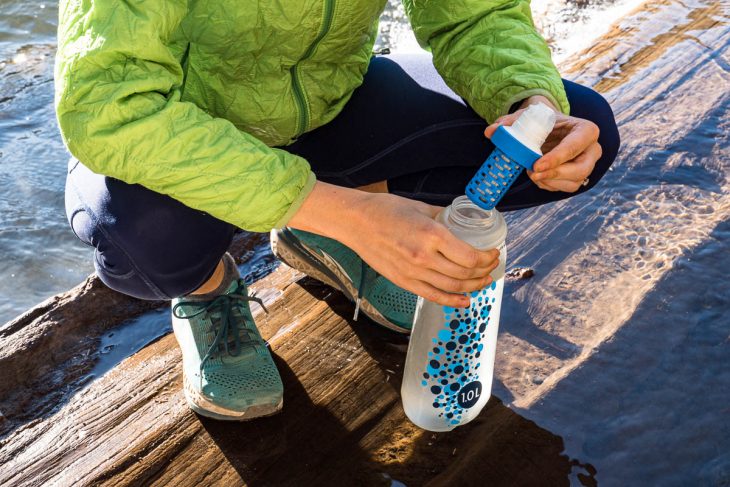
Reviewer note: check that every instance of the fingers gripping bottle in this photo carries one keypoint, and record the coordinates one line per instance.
(516, 147)
(450, 362)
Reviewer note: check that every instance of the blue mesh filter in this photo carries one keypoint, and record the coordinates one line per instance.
(500, 170)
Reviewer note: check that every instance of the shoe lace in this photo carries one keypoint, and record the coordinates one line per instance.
(364, 269)
(229, 326)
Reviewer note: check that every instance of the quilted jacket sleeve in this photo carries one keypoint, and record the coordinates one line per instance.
(487, 51)
(118, 92)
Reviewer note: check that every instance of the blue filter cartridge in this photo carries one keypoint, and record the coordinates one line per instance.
(516, 147)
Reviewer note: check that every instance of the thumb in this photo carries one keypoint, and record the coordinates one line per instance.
(503, 120)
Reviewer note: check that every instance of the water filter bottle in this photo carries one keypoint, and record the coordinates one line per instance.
(516, 147)
(450, 361)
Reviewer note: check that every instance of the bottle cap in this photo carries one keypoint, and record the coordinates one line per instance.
(533, 126)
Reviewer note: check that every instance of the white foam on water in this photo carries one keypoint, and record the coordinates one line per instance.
(568, 28)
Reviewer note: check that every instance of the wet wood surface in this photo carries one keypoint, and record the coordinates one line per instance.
(342, 422)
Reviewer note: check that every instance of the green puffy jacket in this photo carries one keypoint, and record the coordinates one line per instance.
(190, 97)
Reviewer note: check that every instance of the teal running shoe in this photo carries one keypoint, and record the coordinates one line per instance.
(228, 372)
(336, 265)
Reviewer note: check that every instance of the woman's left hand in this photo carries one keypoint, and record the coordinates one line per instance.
(569, 153)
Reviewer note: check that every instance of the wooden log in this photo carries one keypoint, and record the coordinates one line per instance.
(342, 421)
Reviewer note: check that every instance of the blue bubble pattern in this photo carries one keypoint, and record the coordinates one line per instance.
(454, 360)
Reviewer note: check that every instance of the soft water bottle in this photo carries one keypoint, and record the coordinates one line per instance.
(450, 362)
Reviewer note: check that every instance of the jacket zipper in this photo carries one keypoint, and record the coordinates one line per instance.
(184, 65)
(299, 95)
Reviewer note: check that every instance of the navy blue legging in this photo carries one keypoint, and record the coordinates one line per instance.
(402, 125)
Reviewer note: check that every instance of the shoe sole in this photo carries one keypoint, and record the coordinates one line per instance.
(287, 247)
(205, 407)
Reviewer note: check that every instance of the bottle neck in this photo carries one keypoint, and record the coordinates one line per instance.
(466, 215)
(483, 229)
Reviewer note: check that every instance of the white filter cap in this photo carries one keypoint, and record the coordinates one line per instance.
(533, 126)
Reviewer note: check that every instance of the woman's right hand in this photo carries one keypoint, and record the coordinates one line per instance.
(401, 240)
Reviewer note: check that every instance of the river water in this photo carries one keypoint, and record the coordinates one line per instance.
(626, 319)
(39, 256)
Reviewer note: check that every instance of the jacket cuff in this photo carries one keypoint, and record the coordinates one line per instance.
(298, 201)
(522, 95)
